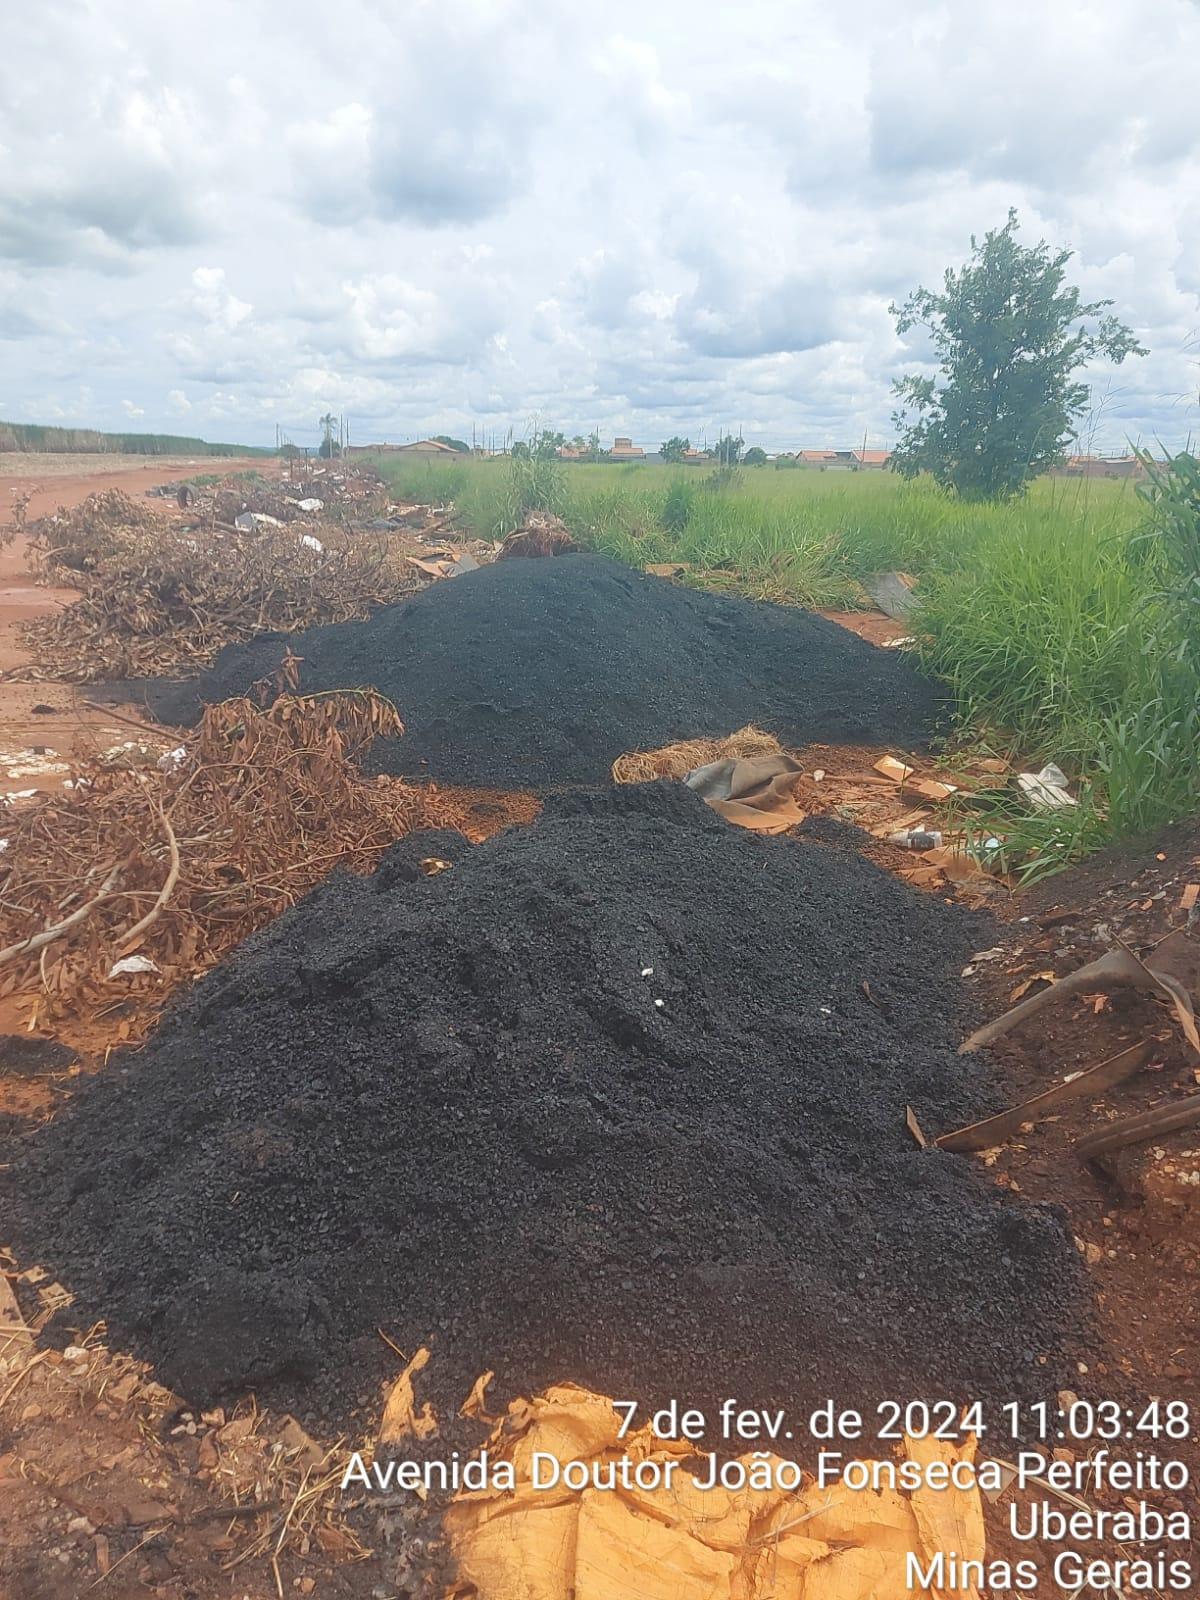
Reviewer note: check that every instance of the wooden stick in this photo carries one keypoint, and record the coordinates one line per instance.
(57, 929)
(164, 894)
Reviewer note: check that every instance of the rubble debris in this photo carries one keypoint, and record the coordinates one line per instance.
(430, 1103)
(541, 673)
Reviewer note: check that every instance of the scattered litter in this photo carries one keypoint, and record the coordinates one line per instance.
(892, 592)
(453, 563)
(916, 838)
(1047, 789)
(160, 598)
(309, 543)
(131, 755)
(893, 769)
(132, 966)
(1190, 896)
(755, 791)
(933, 788)
(31, 764)
(311, 504)
(663, 1543)
(252, 521)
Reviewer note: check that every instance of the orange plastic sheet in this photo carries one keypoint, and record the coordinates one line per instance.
(683, 1543)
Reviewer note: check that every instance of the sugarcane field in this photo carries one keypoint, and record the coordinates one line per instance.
(600, 913)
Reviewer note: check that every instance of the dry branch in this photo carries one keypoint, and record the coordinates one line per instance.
(262, 805)
(159, 597)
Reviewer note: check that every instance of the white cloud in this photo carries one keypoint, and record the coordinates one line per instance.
(659, 225)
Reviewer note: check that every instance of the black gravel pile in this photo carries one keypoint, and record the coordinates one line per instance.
(618, 1098)
(540, 673)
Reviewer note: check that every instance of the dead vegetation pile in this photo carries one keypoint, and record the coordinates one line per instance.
(677, 760)
(541, 534)
(174, 867)
(159, 597)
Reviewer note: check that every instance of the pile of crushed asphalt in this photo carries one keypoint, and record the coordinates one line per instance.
(540, 673)
(617, 1098)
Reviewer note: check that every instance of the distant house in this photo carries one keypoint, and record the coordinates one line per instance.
(626, 450)
(573, 452)
(1099, 467)
(427, 448)
(839, 460)
(695, 458)
(872, 460)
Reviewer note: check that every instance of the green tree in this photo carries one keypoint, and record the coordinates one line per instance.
(674, 449)
(329, 444)
(727, 451)
(1009, 336)
(455, 444)
(755, 457)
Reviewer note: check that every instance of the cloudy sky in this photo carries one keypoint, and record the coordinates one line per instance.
(221, 215)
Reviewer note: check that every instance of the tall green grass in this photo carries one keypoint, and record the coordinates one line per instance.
(1050, 617)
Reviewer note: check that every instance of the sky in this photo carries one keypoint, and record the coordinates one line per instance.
(222, 216)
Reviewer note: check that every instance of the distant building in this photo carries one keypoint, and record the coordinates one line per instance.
(626, 450)
(839, 460)
(872, 460)
(423, 447)
(1098, 467)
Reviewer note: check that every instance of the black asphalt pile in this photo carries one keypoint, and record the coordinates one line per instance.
(540, 673)
(617, 1098)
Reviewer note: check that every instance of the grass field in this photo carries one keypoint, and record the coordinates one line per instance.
(1043, 615)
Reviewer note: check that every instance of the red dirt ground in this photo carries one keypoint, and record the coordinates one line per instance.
(104, 1490)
